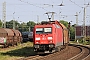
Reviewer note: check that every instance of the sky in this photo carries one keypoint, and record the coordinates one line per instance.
(34, 10)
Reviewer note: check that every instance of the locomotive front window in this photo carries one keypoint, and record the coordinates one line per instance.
(39, 30)
(47, 30)
(43, 30)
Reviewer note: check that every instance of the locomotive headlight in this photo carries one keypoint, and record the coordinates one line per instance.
(49, 38)
(38, 38)
(51, 46)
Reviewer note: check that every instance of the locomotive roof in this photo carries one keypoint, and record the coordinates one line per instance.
(53, 22)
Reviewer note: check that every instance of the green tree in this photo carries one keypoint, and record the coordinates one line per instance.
(30, 25)
(64, 23)
(9, 24)
(23, 27)
(0, 24)
(72, 32)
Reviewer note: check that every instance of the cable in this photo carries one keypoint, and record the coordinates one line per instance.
(33, 5)
(52, 1)
(75, 3)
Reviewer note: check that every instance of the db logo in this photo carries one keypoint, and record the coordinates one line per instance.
(43, 37)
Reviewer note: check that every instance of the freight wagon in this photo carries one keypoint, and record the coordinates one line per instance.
(50, 37)
(27, 36)
(9, 37)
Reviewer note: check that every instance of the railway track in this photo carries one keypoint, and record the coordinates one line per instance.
(72, 52)
(83, 55)
(42, 57)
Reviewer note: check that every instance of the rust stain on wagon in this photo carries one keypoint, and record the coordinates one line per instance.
(9, 37)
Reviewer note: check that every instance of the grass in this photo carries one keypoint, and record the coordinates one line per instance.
(20, 51)
(81, 42)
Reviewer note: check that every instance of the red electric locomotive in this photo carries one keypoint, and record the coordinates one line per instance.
(49, 37)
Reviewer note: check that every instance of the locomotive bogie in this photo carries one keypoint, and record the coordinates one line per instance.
(45, 48)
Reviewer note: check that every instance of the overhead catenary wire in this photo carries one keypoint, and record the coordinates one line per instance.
(33, 5)
(75, 3)
(52, 1)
